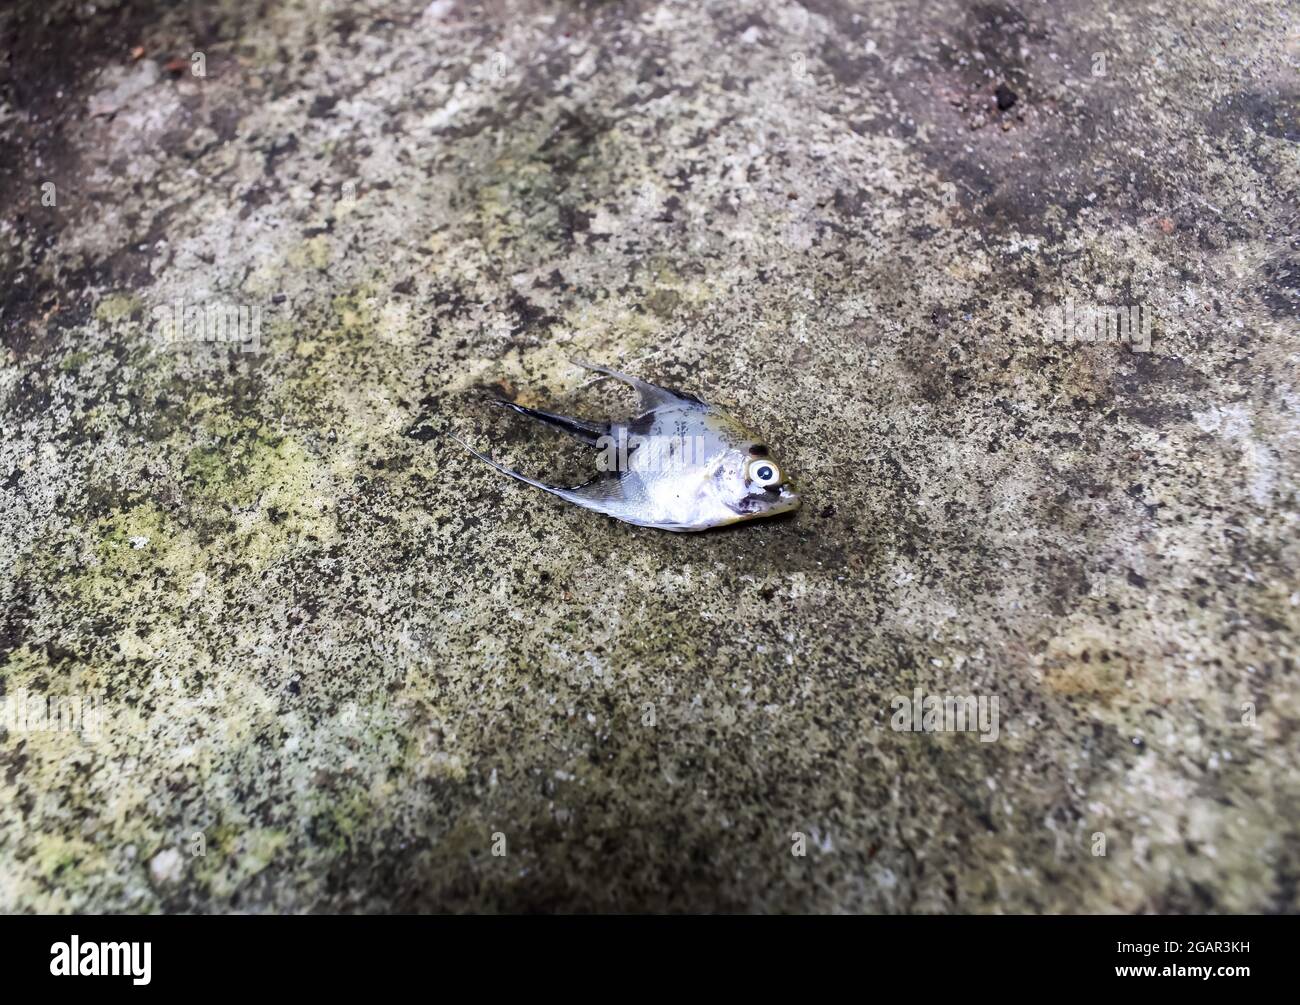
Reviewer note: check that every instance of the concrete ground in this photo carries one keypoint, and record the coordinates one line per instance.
(271, 641)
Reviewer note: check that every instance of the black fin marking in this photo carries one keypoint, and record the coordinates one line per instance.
(588, 432)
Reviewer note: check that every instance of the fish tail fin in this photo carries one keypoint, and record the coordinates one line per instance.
(602, 494)
(588, 432)
(556, 489)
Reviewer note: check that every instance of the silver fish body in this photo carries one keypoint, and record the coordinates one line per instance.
(681, 465)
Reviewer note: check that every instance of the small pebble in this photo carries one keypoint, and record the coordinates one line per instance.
(165, 867)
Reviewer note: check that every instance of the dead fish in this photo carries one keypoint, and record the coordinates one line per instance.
(681, 465)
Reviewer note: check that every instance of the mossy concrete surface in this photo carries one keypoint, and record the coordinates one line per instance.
(270, 640)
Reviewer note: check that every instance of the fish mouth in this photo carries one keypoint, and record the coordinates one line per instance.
(779, 499)
(787, 500)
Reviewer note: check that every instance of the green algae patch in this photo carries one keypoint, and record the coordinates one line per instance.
(275, 492)
(257, 848)
(58, 858)
(131, 561)
(355, 311)
(117, 307)
(248, 853)
(313, 253)
(133, 540)
(21, 662)
(350, 331)
(340, 817)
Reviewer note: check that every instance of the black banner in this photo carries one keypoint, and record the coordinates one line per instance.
(333, 954)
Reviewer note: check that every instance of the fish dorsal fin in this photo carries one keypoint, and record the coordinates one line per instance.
(652, 395)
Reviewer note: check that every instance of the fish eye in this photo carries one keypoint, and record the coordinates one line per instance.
(764, 472)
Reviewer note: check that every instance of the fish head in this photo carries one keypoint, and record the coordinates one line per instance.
(751, 483)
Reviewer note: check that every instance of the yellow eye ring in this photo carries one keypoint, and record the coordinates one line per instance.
(763, 471)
